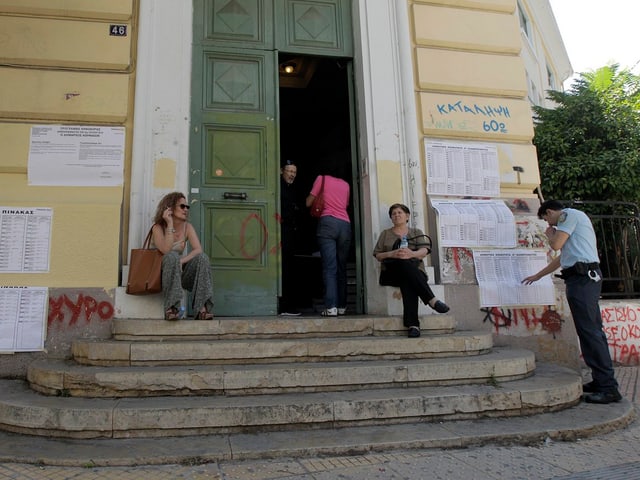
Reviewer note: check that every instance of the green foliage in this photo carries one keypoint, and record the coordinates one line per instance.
(589, 145)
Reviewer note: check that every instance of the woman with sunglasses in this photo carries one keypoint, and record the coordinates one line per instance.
(192, 271)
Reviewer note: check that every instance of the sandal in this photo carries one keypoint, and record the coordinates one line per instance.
(203, 315)
(172, 313)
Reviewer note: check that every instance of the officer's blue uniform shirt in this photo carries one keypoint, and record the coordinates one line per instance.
(581, 245)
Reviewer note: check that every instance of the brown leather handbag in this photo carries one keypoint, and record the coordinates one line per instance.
(145, 269)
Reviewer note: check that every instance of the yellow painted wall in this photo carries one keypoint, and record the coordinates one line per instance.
(47, 41)
(518, 155)
(58, 64)
(471, 82)
(64, 96)
(93, 9)
(489, 5)
(471, 72)
(457, 28)
(389, 181)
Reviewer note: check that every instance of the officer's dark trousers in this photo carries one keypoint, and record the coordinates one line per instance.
(582, 295)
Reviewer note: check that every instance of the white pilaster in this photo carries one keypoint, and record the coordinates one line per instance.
(387, 122)
(162, 106)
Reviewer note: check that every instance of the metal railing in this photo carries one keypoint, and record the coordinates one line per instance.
(617, 227)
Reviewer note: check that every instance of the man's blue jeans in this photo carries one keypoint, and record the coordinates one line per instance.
(334, 240)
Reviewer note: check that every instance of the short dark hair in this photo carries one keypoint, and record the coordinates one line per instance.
(549, 205)
(401, 206)
(286, 163)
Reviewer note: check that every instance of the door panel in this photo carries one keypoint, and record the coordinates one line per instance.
(322, 28)
(234, 83)
(239, 248)
(242, 23)
(234, 155)
(235, 141)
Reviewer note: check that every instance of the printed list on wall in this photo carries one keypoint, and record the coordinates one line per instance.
(76, 155)
(22, 318)
(475, 223)
(500, 274)
(25, 236)
(462, 169)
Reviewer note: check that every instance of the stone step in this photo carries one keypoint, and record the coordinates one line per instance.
(24, 411)
(270, 327)
(571, 424)
(277, 350)
(70, 379)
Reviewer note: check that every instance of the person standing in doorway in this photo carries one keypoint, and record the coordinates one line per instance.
(571, 232)
(289, 218)
(333, 235)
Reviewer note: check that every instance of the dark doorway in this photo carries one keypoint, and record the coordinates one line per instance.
(315, 125)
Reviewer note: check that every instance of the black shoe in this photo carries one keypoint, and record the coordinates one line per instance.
(414, 332)
(440, 307)
(591, 387)
(610, 396)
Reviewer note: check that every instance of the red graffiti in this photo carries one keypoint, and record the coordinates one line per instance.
(621, 325)
(499, 317)
(626, 354)
(457, 253)
(276, 248)
(243, 240)
(550, 320)
(626, 313)
(63, 306)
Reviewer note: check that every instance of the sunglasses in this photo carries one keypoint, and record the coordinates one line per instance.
(183, 206)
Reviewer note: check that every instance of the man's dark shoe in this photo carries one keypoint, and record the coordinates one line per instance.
(414, 332)
(591, 387)
(610, 396)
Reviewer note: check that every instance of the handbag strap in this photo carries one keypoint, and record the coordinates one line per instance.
(147, 241)
(321, 185)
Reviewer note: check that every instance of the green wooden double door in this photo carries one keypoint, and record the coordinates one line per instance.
(234, 150)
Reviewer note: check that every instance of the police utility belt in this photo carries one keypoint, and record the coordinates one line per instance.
(581, 269)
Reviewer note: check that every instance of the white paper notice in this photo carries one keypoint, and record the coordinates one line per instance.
(462, 169)
(25, 239)
(500, 273)
(22, 318)
(475, 223)
(80, 156)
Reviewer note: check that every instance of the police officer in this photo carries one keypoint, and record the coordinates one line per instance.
(571, 232)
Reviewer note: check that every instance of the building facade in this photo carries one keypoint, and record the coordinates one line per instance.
(212, 94)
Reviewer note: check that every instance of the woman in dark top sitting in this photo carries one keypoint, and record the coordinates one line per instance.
(405, 266)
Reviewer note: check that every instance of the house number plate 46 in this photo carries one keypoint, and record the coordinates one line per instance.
(118, 30)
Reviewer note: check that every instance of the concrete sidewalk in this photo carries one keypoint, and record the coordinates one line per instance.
(535, 454)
